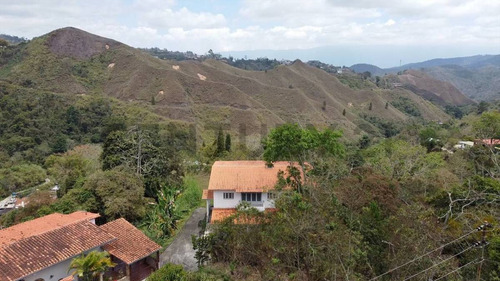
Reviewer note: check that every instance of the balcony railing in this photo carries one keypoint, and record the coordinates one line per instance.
(256, 203)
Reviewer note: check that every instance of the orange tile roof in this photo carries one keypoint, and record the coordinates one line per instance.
(41, 225)
(488, 141)
(245, 176)
(207, 194)
(131, 245)
(34, 253)
(219, 214)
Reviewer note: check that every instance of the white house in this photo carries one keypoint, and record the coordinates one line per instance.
(233, 182)
(464, 144)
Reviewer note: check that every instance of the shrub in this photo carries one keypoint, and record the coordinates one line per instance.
(168, 272)
(407, 106)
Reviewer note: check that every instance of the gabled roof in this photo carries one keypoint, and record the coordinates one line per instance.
(34, 253)
(41, 225)
(245, 176)
(131, 245)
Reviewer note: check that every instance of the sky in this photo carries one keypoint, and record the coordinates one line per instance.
(340, 32)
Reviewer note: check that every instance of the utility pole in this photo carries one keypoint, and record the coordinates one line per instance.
(483, 244)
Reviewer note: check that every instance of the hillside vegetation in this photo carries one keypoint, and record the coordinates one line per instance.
(124, 134)
(399, 209)
(477, 76)
(208, 94)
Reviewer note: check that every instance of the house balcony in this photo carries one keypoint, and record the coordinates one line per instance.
(256, 204)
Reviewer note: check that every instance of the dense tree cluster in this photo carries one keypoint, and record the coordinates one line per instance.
(368, 208)
(121, 170)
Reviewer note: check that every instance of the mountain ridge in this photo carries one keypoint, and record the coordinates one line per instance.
(474, 76)
(209, 94)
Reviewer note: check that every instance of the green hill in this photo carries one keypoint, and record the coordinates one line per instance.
(207, 94)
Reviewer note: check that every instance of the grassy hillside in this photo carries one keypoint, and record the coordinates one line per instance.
(477, 76)
(481, 83)
(440, 92)
(207, 94)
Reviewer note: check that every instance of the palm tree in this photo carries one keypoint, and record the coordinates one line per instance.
(89, 266)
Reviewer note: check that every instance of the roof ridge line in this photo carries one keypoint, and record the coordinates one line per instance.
(83, 221)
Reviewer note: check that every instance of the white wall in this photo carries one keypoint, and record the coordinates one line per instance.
(220, 202)
(57, 271)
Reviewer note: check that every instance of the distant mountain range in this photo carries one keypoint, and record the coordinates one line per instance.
(12, 39)
(478, 77)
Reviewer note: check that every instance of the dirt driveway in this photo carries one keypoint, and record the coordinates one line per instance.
(181, 250)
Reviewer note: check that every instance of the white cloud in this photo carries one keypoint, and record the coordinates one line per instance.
(166, 18)
(389, 22)
(264, 24)
(382, 22)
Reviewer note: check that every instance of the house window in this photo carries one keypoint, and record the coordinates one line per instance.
(251, 197)
(228, 195)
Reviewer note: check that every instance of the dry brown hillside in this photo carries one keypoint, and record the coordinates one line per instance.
(211, 93)
(433, 89)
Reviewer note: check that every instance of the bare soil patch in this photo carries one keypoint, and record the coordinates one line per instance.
(77, 43)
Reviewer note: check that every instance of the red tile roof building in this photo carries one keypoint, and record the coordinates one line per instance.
(41, 225)
(34, 253)
(232, 182)
(245, 176)
(44, 247)
(490, 142)
(131, 245)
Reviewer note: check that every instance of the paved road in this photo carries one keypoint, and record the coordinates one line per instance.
(181, 250)
(9, 202)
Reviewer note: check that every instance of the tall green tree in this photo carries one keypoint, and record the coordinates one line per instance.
(488, 125)
(482, 107)
(228, 142)
(60, 144)
(120, 194)
(68, 169)
(148, 153)
(220, 145)
(289, 142)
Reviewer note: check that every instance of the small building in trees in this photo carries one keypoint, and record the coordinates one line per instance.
(42, 249)
(464, 144)
(234, 182)
(487, 142)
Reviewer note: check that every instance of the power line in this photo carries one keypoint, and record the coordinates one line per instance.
(427, 269)
(467, 264)
(484, 243)
(426, 254)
